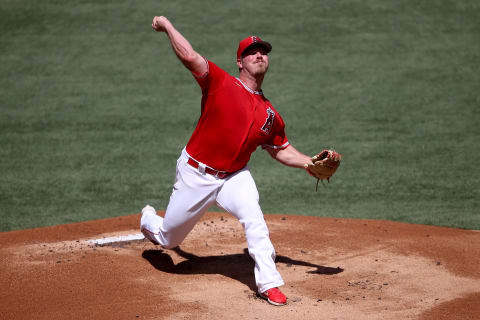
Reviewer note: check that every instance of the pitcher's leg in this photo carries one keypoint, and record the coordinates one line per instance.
(193, 193)
(239, 196)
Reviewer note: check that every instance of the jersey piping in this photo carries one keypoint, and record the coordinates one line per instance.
(248, 89)
(283, 146)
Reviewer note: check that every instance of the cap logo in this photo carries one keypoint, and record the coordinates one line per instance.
(254, 39)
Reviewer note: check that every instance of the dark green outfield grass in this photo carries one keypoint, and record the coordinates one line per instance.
(95, 108)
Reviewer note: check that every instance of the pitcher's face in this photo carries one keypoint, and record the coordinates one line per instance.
(254, 60)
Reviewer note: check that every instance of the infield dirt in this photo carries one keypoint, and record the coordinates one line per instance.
(333, 269)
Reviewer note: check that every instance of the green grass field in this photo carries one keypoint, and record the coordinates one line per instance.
(95, 108)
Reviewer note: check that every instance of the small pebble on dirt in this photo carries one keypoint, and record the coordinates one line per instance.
(438, 263)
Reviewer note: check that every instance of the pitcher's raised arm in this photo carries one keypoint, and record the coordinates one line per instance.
(182, 48)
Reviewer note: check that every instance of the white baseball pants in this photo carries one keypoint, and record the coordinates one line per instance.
(193, 193)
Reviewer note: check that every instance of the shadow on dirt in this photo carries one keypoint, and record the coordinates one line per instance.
(235, 266)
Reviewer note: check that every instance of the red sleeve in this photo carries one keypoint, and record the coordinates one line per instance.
(212, 79)
(278, 139)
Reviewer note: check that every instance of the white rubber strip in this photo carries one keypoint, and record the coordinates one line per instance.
(129, 237)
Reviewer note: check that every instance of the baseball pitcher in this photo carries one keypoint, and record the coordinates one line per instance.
(235, 119)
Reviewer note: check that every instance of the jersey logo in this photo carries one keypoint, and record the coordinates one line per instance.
(269, 121)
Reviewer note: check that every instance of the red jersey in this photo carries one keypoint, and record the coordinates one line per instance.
(234, 121)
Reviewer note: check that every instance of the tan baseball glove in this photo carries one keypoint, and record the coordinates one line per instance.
(324, 165)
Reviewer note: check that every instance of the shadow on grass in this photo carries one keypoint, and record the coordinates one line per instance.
(235, 266)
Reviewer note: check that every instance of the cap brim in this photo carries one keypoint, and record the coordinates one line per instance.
(263, 44)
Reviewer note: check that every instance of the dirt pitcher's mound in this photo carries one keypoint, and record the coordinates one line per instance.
(333, 269)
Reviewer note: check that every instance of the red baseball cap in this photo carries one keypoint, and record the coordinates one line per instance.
(251, 41)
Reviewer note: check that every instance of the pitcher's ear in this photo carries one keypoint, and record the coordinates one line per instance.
(239, 63)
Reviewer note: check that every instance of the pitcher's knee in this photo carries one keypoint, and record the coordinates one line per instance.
(170, 243)
(169, 246)
(171, 239)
